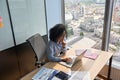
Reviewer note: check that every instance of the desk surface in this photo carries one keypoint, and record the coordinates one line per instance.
(82, 63)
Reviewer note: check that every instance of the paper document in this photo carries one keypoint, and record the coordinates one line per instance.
(45, 74)
(80, 75)
(79, 51)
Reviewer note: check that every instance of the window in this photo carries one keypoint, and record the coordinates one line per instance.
(84, 18)
(114, 45)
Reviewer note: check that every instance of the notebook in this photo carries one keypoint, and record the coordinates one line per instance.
(91, 55)
(69, 64)
(62, 75)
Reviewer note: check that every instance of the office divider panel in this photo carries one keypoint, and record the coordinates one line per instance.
(6, 38)
(28, 18)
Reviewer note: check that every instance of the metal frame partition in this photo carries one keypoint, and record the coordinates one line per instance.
(106, 30)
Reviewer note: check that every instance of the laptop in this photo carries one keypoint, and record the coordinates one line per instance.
(69, 64)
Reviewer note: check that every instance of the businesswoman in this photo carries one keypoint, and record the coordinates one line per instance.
(56, 45)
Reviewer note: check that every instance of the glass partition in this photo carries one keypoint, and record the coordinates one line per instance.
(6, 38)
(28, 18)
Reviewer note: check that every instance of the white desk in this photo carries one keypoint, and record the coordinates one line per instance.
(82, 64)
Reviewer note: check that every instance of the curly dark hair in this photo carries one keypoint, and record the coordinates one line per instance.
(56, 32)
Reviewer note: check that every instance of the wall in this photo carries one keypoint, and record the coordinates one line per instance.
(53, 10)
(17, 62)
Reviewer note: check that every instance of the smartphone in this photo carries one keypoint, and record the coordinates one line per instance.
(62, 75)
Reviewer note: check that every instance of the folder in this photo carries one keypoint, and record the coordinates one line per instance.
(91, 55)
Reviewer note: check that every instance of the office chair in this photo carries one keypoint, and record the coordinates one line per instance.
(39, 47)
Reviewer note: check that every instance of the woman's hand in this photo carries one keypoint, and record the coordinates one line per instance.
(67, 60)
(63, 43)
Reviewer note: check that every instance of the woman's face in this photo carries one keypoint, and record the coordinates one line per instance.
(61, 38)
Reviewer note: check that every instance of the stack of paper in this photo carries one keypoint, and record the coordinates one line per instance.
(45, 74)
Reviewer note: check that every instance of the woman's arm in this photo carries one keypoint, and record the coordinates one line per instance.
(51, 53)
